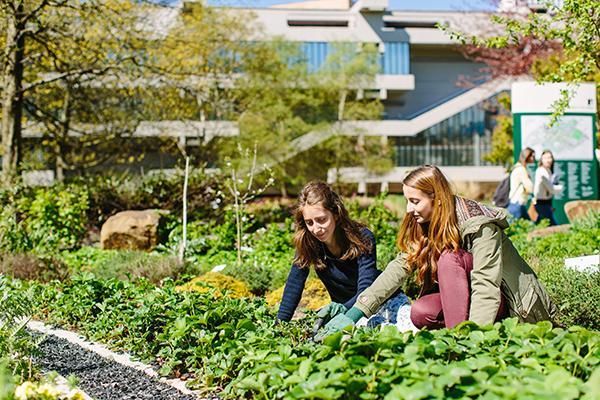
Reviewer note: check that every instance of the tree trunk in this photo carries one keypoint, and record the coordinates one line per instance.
(12, 94)
(61, 140)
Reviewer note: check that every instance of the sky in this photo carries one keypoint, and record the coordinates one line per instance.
(393, 4)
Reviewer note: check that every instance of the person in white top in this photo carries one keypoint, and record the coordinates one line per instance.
(521, 186)
(545, 187)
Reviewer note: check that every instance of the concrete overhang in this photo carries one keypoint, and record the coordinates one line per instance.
(395, 82)
(205, 130)
(479, 173)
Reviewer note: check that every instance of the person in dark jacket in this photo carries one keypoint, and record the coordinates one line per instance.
(341, 251)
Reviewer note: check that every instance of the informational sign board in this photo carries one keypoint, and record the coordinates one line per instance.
(571, 139)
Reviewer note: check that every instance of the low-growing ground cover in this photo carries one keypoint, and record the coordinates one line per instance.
(133, 301)
(20, 378)
(232, 346)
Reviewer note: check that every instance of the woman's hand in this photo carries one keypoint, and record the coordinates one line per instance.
(338, 323)
(327, 313)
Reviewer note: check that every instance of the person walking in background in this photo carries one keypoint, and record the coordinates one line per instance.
(521, 185)
(545, 187)
(341, 251)
(467, 267)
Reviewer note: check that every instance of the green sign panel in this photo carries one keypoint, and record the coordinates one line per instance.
(572, 140)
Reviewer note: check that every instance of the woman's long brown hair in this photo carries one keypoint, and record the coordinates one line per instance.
(347, 232)
(423, 244)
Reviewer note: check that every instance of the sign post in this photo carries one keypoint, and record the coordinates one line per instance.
(572, 139)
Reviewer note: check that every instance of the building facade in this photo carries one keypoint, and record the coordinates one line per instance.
(439, 107)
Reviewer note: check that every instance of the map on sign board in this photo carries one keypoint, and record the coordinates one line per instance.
(571, 138)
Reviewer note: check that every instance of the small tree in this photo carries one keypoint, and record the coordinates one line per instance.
(502, 136)
(573, 28)
(243, 188)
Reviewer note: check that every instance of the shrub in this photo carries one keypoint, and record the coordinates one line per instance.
(43, 220)
(56, 217)
(204, 239)
(213, 280)
(266, 211)
(13, 237)
(16, 344)
(30, 266)
(123, 264)
(259, 277)
(267, 266)
(576, 294)
(384, 224)
(314, 295)
(111, 194)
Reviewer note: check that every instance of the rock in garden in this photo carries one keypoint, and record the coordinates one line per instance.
(580, 208)
(131, 230)
(549, 230)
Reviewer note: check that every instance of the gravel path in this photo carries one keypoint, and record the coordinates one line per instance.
(101, 378)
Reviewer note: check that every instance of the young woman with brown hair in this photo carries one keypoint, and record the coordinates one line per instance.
(545, 187)
(467, 267)
(342, 252)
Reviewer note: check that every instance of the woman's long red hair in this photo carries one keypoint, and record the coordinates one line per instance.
(423, 244)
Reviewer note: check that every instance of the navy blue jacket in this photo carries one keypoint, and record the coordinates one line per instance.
(343, 279)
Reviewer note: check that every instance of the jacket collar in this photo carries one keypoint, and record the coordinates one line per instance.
(472, 215)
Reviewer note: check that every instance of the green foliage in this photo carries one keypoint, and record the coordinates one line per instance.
(113, 193)
(575, 293)
(7, 384)
(505, 361)
(56, 217)
(208, 242)
(123, 264)
(43, 220)
(13, 237)
(574, 25)
(502, 136)
(383, 222)
(267, 266)
(231, 344)
(16, 344)
(581, 239)
(265, 211)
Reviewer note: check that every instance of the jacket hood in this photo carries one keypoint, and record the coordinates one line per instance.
(472, 215)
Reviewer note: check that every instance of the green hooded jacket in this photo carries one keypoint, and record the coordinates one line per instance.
(497, 268)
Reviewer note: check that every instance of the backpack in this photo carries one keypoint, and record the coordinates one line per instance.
(501, 194)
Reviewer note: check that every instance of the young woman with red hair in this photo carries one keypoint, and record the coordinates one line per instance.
(467, 267)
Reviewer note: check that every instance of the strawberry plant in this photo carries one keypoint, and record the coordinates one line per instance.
(231, 346)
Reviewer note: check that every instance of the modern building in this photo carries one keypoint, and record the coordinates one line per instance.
(439, 107)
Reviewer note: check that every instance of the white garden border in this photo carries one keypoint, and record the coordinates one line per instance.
(122, 358)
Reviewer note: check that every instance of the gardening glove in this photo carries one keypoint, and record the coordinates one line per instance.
(326, 313)
(339, 322)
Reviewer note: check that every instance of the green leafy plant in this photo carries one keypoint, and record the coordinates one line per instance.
(233, 347)
(123, 264)
(16, 345)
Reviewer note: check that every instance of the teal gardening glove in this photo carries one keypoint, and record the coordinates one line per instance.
(339, 322)
(326, 313)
